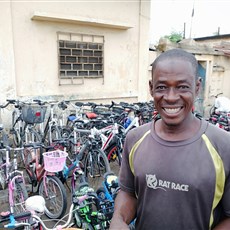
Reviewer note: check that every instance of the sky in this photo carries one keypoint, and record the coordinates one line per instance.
(175, 15)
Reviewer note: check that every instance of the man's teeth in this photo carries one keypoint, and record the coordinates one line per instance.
(171, 111)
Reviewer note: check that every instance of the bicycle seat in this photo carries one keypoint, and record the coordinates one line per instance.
(35, 203)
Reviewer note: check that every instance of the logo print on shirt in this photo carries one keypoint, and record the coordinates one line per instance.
(154, 183)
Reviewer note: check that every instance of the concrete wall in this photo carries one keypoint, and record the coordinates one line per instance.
(29, 47)
(29, 53)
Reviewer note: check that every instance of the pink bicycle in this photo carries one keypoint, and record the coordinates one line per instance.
(13, 179)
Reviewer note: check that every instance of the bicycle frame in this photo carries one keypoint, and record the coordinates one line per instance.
(106, 140)
(36, 169)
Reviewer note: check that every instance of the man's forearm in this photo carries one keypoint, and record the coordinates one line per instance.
(125, 210)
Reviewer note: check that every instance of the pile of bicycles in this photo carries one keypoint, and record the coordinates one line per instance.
(59, 146)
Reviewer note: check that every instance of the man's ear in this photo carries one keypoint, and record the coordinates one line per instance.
(151, 87)
(198, 85)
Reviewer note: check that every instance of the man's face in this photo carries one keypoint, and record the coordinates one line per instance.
(173, 88)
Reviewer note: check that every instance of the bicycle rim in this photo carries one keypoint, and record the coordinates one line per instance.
(96, 165)
(56, 198)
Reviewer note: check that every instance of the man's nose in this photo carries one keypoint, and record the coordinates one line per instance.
(172, 94)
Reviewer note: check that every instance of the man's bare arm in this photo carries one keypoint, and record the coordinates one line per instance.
(125, 210)
(223, 225)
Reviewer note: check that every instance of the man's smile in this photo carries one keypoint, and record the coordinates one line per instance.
(172, 110)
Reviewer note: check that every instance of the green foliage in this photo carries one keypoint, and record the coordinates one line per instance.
(175, 36)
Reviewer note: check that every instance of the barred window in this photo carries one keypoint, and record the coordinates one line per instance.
(80, 56)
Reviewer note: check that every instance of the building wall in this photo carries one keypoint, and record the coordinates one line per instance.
(29, 54)
(30, 46)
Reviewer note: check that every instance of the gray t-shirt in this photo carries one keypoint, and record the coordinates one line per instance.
(179, 185)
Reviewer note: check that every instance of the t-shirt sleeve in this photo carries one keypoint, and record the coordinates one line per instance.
(226, 198)
(126, 177)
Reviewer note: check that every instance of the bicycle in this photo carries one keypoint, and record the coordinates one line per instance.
(94, 160)
(110, 187)
(81, 209)
(12, 178)
(109, 190)
(24, 118)
(31, 217)
(73, 170)
(50, 130)
(90, 212)
(111, 138)
(42, 176)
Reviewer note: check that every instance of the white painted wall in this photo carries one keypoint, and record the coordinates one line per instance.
(33, 47)
(29, 54)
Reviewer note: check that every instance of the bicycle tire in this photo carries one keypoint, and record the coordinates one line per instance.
(101, 193)
(20, 193)
(114, 156)
(56, 199)
(95, 166)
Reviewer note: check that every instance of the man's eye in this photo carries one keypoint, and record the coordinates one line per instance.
(183, 87)
(161, 87)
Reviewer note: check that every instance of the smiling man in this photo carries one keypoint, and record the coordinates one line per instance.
(175, 172)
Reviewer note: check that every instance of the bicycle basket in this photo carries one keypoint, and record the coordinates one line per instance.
(33, 113)
(54, 161)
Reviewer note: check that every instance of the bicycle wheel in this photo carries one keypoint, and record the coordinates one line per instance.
(55, 196)
(101, 193)
(20, 194)
(96, 165)
(114, 156)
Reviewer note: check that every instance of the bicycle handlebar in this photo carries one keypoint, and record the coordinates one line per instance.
(59, 226)
(4, 106)
(26, 215)
(19, 216)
